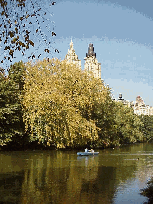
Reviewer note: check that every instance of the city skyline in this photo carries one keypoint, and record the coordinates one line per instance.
(121, 35)
(83, 67)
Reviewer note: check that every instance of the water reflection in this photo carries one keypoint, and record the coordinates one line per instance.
(62, 177)
(11, 187)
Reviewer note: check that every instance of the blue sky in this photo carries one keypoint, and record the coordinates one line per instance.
(122, 34)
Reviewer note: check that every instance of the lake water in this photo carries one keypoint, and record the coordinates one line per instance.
(61, 177)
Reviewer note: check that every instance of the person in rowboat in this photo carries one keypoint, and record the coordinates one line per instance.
(86, 150)
(91, 150)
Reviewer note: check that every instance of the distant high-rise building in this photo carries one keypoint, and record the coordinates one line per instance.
(71, 56)
(139, 101)
(140, 108)
(120, 97)
(91, 63)
(125, 102)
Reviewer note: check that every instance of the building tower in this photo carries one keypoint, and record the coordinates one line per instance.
(91, 63)
(71, 56)
(139, 101)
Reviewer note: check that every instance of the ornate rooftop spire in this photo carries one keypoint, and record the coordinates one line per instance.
(90, 51)
(72, 57)
(71, 45)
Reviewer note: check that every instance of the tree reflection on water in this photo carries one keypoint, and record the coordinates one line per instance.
(62, 177)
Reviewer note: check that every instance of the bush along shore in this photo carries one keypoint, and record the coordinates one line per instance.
(148, 191)
(51, 104)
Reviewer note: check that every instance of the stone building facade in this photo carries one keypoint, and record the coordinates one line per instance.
(91, 63)
(71, 56)
(139, 106)
(141, 109)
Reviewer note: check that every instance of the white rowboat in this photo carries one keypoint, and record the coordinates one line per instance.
(87, 153)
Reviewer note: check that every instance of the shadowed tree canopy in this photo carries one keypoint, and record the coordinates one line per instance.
(24, 23)
(11, 91)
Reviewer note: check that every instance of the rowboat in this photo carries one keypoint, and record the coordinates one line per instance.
(87, 153)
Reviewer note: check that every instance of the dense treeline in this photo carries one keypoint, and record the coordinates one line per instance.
(56, 104)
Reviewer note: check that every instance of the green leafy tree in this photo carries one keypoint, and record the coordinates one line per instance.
(11, 90)
(128, 125)
(104, 115)
(118, 124)
(147, 128)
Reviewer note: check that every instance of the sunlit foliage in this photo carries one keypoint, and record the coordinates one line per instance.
(62, 106)
(58, 103)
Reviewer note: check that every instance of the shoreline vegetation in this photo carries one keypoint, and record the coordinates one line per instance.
(148, 191)
(51, 104)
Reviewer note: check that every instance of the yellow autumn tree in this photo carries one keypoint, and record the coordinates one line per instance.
(58, 103)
